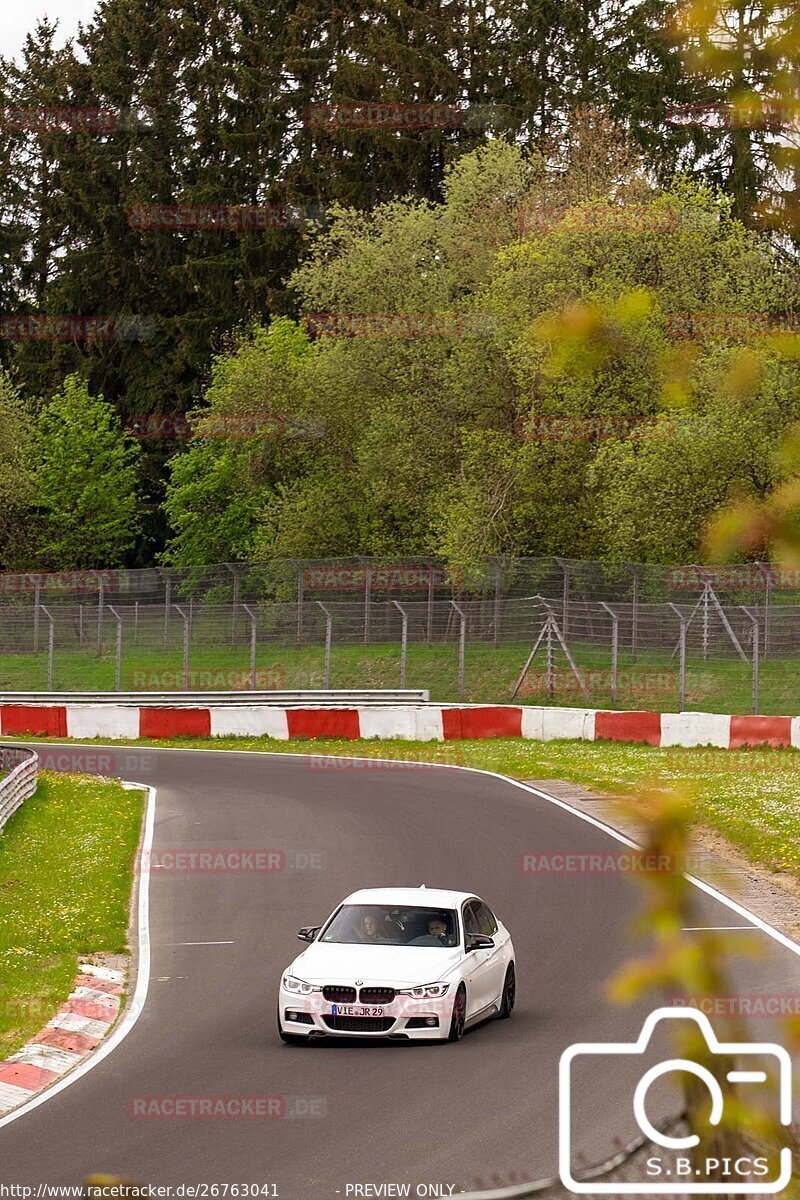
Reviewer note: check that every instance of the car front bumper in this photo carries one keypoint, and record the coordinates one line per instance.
(404, 1018)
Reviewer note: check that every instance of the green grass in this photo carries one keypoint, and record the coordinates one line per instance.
(66, 872)
(719, 685)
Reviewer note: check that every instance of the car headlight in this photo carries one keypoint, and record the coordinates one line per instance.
(425, 990)
(293, 984)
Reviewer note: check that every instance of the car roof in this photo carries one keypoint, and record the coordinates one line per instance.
(423, 896)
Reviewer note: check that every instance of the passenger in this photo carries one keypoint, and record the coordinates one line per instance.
(369, 930)
(438, 928)
(437, 934)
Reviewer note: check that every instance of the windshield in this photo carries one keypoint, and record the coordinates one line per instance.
(388, 925)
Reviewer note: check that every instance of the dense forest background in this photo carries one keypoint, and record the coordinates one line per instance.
(596, 236)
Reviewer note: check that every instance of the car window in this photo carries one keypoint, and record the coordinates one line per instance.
(392, 925)
(471, 917)
(486, 921)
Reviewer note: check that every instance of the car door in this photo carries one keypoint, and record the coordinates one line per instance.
(477, 970)
(495, 965)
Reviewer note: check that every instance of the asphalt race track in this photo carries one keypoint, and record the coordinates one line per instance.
(387, 1112)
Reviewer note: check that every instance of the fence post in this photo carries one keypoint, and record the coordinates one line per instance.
(167, 606)
(37, 603)
(185, 647)
(100, 612)
(565, 597)
(404, 644)
(462, 647)
(429, 633)
(118, 668)
(635, 613)
(767, 572)
(756, 655)
(252, 617)
(328, 639)
(80, 625)
(614, 650)
(498, 583)
(682, 668)
(136, 622)
(367, 600)
(51, 642)
(236, 581)
(300, 586)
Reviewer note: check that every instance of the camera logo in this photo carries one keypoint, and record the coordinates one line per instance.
(676, 1172)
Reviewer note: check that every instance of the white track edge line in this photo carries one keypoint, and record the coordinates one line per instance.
(132, 1011)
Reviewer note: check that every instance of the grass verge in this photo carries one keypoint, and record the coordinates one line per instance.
(651, 681)
(66, 873)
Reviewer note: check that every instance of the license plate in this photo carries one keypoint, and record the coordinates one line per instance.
(355, 1010)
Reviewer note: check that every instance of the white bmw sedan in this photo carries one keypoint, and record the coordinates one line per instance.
(400, 963)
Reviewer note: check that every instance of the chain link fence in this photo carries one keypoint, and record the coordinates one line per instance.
(540, 631)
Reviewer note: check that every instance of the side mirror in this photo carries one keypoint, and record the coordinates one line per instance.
(309, 933)
(479, 941)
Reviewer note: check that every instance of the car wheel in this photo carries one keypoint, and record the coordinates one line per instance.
(459, 1017)
(291, 1039)
(509, 993)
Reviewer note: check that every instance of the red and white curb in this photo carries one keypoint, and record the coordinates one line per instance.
(78, 1028)
(415, 722)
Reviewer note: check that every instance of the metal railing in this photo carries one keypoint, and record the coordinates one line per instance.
(203, 699)
(19, 784)
(615, 1168)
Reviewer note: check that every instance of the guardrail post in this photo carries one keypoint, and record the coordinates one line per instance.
(682, 668)
(462, 648)
(51, 643)
(328, 639)
(185, 647)
(756, 655)
(614, 650)
(118, 667)
(252, 617)
(404, 642)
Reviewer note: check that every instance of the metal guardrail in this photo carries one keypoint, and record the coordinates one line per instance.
(20, 783)
(203, 699)
(554, 1188)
